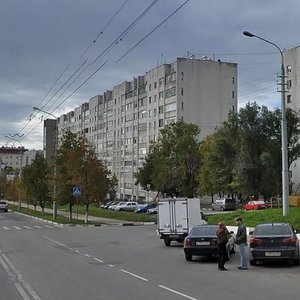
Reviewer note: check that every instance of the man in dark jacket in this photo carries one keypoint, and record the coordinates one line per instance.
(222, 239)
(241, 241)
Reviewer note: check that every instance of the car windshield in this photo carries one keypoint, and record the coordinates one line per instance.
(2, 202)
(204, 230)
(272, 229)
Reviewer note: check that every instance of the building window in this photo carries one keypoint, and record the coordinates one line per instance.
(161, 81)
(181, 105)
(150, 113)
(149, 100)
(161, 109)
(155, 98)
(161, 123)
(150, 87)
(233, 80)
(289, 84)
(288, 69)
(289, 99)
(161, 95)
(155, 84)
(170, 92)
(171, 107)
(181, 91)
(232, 94)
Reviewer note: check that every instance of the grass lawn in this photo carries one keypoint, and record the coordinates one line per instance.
(110, 214)
(252, 218)
(93, 211)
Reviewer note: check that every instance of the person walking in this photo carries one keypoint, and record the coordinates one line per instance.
(241, 241)
(222, 239)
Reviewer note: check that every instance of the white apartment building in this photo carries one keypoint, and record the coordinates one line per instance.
(123, 123)
(292, 72)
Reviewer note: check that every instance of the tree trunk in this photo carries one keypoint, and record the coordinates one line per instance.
(87, 214)
(70, 212)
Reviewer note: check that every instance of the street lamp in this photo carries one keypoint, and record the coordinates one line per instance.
(46, 112)
(284, 148)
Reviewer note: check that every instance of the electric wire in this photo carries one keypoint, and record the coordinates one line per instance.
(154, 29)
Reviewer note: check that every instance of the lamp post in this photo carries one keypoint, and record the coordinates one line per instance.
(284, 148)
(54, 169)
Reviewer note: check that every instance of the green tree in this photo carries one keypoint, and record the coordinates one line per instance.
(172, 164)
(35, 181)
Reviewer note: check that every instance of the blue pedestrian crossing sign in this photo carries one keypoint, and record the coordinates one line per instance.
(77, 191)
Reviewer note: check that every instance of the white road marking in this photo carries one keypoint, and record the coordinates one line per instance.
(48, 226)
(99, 260)
(177, 293)
(134, 275)
(87, 255)
(17, 227)
(77, 251)
(27, 227)
(111, 266)
(54, 241)
(39, 227)
(6, 228)
(17, 279)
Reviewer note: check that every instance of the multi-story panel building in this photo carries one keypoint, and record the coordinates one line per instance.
(123, 123)
(292, 72)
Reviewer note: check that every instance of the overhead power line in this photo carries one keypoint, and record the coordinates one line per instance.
(154, 29)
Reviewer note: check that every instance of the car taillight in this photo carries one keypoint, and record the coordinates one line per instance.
(290, 240)
(187, 243)
(255, 241)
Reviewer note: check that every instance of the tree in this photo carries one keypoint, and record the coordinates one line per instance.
(218, 154)
(77, 165)
(172, 164)
(35, 181)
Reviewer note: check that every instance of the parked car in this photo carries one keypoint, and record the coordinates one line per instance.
(142, 209)
(106, 205)
(152, 211)
(202, 241)
(256, 204)
(223, 204)
(115, 204)
(273, 242)
(126, 206)
(4, 205)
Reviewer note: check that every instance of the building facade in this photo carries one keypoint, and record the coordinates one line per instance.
(124, 122)
(292, 72)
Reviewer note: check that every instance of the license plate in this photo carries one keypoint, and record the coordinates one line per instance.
(272, 253)
(202, 243)
(174, 235)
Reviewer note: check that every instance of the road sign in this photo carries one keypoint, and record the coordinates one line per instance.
(77, 191)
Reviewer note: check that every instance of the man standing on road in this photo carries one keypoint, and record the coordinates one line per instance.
(241, 241)
(222, 239)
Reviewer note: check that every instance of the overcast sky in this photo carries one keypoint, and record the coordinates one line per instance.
(44, 42)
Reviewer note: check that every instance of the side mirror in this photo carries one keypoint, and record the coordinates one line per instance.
(251, 232)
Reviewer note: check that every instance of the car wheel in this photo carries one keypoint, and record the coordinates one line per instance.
(121, 209)
(253, 262)
(167, 242)
(188, 257)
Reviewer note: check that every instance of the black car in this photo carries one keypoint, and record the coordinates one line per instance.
(202, 241)
(274, 242)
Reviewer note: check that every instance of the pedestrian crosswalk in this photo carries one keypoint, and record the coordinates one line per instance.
(32, 227)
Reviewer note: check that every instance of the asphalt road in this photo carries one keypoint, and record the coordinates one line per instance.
(39, 260)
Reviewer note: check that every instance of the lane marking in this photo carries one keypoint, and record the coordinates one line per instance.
(17, 227)
(27, 227)
(39, 227)
(17, 279)
(98, 260)
(54, 241)
(111, 266)
(177, 293)
(87, 255)
(6, 228)
(134, 275)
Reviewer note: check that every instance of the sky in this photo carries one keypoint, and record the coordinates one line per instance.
(57, 54)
